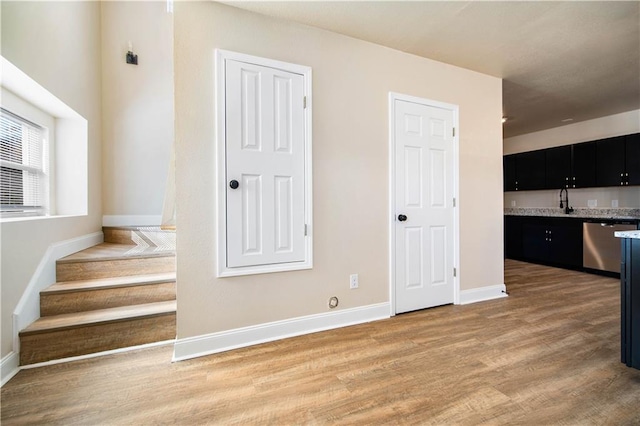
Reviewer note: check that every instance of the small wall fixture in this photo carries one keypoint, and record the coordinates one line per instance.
(131, 57)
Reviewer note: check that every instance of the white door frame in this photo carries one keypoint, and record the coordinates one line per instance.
(392, 196)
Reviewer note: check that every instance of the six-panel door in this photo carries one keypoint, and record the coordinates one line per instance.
(265, 156)
(424, 194)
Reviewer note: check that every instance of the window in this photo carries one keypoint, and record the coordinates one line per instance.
(23, 166)
(59, 185)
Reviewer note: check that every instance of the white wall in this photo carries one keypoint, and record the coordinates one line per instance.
(137, 110)
(599, 128)
(65, 60)
(351, 82)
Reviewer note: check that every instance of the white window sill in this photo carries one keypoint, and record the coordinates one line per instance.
(36, 218)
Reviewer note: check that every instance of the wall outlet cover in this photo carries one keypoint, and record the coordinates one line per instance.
(614, 204)
(592, 203)
(513, 203)
(353, 281)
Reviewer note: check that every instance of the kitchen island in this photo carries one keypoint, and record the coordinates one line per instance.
(630, 298)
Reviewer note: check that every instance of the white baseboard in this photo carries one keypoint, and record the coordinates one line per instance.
(132, 220)
(192, 347)
(28, 308)
(9, 367)
(483, 293)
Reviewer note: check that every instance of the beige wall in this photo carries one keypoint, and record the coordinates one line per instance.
(599, 128)
(351, 82)
(137, 107)
(57, 45)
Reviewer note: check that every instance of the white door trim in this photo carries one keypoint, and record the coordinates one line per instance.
(392, 196)
(220, 174)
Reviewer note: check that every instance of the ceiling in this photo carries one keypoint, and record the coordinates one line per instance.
(558, 60)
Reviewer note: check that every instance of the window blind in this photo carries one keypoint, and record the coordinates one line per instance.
(22, 166)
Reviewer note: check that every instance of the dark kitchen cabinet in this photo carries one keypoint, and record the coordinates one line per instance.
(630, 302)
(513, 237)
(509, 170)
(548, 240)
(558, 167)
(531, 170)
(607, 162)
(583, 165)
(566, 242)
(632, 154)
(610, 161)
(535, 239)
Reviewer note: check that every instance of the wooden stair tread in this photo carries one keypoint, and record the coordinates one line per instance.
(112, 251)
(154, 228)
(105, 283)
(80, 319)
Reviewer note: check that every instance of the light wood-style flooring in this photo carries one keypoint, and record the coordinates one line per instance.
(548, 354)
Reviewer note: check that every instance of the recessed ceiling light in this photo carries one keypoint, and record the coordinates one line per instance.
(566, 120)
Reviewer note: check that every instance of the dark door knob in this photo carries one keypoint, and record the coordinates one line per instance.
(402, 218)
(234, 184)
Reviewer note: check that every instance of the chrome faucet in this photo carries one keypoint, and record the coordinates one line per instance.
(565, 204)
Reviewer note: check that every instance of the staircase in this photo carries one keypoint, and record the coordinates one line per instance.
(117, 294)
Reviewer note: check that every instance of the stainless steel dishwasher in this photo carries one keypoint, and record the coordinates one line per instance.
(600, 248)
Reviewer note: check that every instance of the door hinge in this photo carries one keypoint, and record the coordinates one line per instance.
(454, 202)
(304, 102)
(454, 132)
(305, 229)
(454, 272)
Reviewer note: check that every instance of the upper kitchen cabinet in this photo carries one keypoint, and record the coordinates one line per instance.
(531, 170)
(583, 171)
(632, 147)
(607, 162)
(558, 167)
(509, 170)
(610, 161)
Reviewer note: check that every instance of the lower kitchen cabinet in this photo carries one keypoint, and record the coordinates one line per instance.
(513, 237)
(555, 241)
(630, 302)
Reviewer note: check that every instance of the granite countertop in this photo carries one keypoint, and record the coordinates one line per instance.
(584, 213)
(627, 234)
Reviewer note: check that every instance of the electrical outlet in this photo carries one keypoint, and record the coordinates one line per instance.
(353, 281)
(513, 203)
(614, 204)
(592, 203)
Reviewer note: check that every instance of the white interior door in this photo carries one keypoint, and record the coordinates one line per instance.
(424, 234)
(264, 165)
